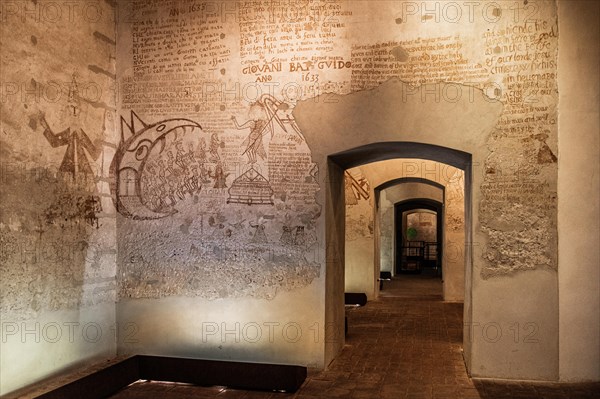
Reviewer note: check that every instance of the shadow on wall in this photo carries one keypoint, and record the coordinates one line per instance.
(58, 257)
(46, 239)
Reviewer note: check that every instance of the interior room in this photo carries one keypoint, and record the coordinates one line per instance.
(193, 181)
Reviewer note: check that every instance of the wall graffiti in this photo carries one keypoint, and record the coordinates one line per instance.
(226, 209)
(357, 188)
(250, 170)
(250, 188)
(359, 212)
(156, 166)
(76, 197)
(264, 115)
(214, 179)
(56, 226)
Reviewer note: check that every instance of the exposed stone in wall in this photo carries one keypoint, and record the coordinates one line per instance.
(518, 211)
(57, 222)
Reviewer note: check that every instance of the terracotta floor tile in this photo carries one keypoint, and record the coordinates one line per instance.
(406, 344)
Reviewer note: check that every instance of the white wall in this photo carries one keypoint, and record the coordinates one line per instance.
(281, 331)
(578, 191)
(54, 343)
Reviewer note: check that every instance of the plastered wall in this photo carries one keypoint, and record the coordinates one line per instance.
(210, 211)
(221, 179)
(578, 188)
(489, 131)
(359, 264)
(216, 191)
(57, 219)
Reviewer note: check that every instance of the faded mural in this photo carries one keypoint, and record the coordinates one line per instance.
(230, 214)
(423, 224)
(59, 243)
(210, 179)
(214, 168)
(163, 148)
(57, 222)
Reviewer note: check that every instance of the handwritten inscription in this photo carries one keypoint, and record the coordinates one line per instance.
(416, 61)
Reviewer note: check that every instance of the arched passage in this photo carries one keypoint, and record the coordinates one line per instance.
(333, 124)
(414, 205)
(335, 207)
(402, 180)
(369, 219)
(387, 195)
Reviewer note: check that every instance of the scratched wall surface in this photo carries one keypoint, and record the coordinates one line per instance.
(214, 180)
(176, 166)
(359, 206)
(510, 53)
(57, 219)
(209, 212)
(215, 193)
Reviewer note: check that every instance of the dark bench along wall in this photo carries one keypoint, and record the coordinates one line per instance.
(241, 375)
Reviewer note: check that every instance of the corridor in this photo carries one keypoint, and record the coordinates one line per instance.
(407, 344)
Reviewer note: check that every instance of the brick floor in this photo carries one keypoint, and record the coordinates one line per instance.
(405, 345)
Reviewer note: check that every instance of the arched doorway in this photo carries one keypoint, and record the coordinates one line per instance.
(338, 163)
(415, 253)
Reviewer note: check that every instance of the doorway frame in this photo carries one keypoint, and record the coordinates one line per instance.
(412, 204)
(377, 222)
(335, 213)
